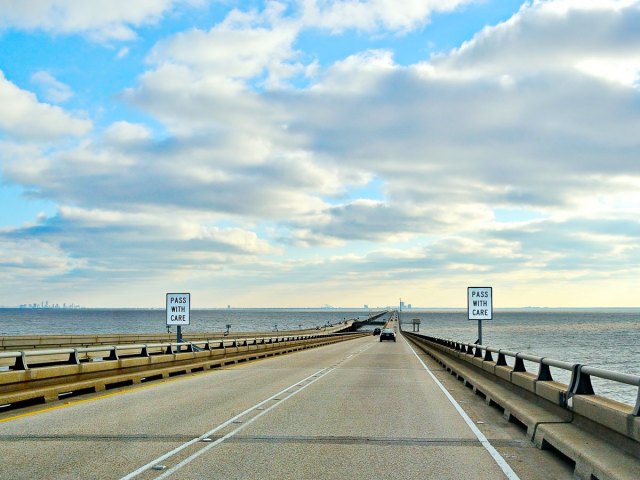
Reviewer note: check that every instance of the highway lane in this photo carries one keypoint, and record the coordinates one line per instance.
(358, 409)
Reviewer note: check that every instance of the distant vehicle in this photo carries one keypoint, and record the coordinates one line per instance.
(376, 331)
(387, 334)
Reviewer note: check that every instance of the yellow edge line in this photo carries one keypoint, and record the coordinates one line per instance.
(128, 390)
(113, 394)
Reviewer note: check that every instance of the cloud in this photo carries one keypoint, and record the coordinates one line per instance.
(53, 90)
(123, 132)
(128, 169)
(23, 117)
(106, 241)
(113, 21)
(374, 15)
(255, 176)
(445, 132)
(246, 45)
(553, 38)
(122, 53)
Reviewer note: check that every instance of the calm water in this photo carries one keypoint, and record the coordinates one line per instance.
(97, 321)
(607, 339)
(604, 338)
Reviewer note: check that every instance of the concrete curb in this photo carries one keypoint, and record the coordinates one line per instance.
(20, 388)
(600, 450)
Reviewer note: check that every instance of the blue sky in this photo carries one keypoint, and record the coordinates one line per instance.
(312, 152)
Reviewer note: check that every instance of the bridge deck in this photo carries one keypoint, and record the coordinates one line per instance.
(359, 409)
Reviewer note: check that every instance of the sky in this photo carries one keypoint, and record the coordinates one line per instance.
(306, 153)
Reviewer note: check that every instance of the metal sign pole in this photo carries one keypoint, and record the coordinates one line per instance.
(480, 306)
(178, 312)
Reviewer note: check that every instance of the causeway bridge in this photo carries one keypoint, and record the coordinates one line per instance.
(309, 405)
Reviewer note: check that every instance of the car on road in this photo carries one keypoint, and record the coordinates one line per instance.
(376, 331)
(387, 334)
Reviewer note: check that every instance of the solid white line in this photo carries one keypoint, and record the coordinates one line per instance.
(502, 463)
(146, 467)
(318, 375)
(209, 446)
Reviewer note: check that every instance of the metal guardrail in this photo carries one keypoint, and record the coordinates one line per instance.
(44, 375)
(581, 374)
(22, 358)
(31, 342)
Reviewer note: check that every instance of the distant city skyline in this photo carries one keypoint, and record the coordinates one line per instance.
(46, 304)
(300, 153)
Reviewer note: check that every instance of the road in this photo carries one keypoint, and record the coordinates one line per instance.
(358, 409)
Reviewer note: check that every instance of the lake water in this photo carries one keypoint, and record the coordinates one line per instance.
(51, 321)
(608, 338)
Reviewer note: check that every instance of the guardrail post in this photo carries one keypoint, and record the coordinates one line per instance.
(502, 361)
(73, 358)
(544, 372)
(169, 349)
(518, 366)
(113, 354)
(145, 351)
(580, 382)
(21, 362)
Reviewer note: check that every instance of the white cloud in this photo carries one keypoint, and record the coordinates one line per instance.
(424, 129)
(123, 132)
(23, 117)
(113, 20)
(105, 243)
(244, 46)
(374, 15)
(537, 113)
(122, 53)
(554, 37)
(357, 73)
(38, 257)
(53, 90)
(623, 71)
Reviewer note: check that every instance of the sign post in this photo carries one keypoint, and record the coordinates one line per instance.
(178, 312)
(480, 306)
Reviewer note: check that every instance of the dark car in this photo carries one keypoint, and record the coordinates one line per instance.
(376, 331)
(387, 334)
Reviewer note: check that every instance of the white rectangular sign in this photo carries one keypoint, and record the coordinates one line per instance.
(178, 308)
(480, 303)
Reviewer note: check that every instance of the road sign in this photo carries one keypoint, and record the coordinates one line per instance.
(178, 308)
(480, 303)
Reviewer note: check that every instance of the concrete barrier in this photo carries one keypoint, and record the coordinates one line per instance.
(601, 436)
(32, 342)
(30, 382)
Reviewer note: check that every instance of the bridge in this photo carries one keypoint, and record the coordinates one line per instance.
(314, 405)
(377, 318)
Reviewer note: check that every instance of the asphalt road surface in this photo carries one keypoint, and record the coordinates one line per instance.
(361, 409)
